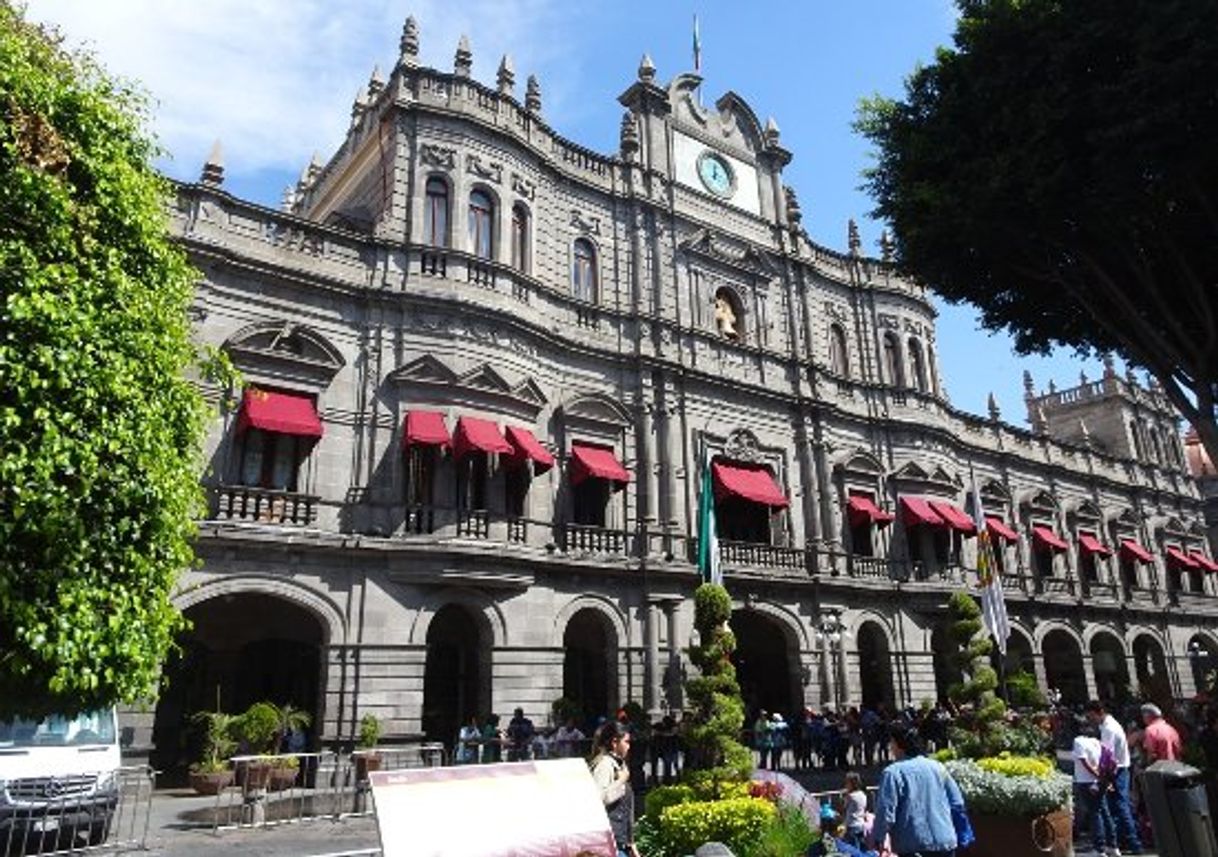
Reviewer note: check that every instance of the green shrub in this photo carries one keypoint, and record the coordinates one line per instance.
(789, 835)
(369, 732)
(662, 797)
(258, 726)
(738, 823)
(1023, 691)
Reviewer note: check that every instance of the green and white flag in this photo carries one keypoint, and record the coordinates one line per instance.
(708, 540)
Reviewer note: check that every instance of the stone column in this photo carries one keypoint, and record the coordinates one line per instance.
(676, 691)
(654, 676)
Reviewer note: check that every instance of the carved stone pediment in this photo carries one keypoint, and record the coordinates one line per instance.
(598, 411)
(282, 350)
(731, 253)
(482, 388)
(742, 445)
(1042, 502)
(919, 478)
(732, 123)
(1087, 510)
(861, 463)
(485, 378)
(423, 370)
(1127, 520)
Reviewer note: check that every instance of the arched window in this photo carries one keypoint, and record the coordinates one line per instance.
(917, 367)
(520, 237)
(1156, 447)
(583, 271)
(1137, 439)
(481, 221)
(932, 377)
(839, 356)
(435, 213)
(892, 361)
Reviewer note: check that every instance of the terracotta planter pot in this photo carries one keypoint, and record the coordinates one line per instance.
(256, 776)
(1017, 836)
(282, 778)
(364, 763)
(211, 783)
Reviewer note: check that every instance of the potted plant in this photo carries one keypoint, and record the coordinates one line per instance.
(366, 757)
(1019, 805)
(286, 767)
(212, 774)
(258, 729)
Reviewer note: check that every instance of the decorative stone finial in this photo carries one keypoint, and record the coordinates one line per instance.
(1052, 387)
(507, 75)
(992, 404)
(1082, 377)
(289, 198)
(532, 95)
(852, 237)
(408, 47)
(213, 167)
(1041, 424)
(794, 214)
(886, 246)
(358, 106)
(647, 69)
(463, 62)
(1152, 383)
(1130, 378)
(375, 83)
(629, 136)
(1109, 365)
(312, 171)
(771, 132)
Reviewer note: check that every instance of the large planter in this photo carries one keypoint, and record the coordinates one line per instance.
(255, 776)
(282, 778)
(365, 762)
(1018, 836)
(212, 782)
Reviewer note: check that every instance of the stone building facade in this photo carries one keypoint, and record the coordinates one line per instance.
(485, 366)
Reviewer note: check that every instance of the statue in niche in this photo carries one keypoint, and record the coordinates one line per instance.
(725, 317)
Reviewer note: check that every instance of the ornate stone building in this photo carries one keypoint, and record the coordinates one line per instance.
(484, 365)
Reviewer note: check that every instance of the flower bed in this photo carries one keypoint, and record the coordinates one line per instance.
(1019, 805)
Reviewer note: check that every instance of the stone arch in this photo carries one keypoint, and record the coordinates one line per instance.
(793, 629)
(456, 671)
(1109, 664)
(326, 611)
(603, 605)
(490, 614)
(1149, 657)
(1062, 652)
(873, 646)
(767, 660)
(591, 646)
(597, 408)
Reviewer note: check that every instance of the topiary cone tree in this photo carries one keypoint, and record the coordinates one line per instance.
(971, 658)
(716, 755)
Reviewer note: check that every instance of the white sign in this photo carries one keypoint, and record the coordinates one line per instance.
(519, 809)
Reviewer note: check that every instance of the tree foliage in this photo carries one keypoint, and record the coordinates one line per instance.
(99, 429)
(1056, 168)
(972, 643)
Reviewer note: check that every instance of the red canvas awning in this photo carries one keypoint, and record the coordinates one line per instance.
(426, 428)
(597, 462)
(917, 512)
(1203, 561)
(955, 517)
(528, 448)
(1177, 557)
(1046, 538)
(862, 510)
(475, 434)
(752, 482)
(1135, 550)
(282, 413)
(1088, 543)
(1000, 529)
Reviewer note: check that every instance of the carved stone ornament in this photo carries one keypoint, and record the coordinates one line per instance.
(742, 445)
(889, 321)
(438, 156)
(490, 171)
(292, 237)
(591, 225)
(836, 311)
(525, 187)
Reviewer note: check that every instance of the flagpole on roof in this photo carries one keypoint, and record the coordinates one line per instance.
(697, 57)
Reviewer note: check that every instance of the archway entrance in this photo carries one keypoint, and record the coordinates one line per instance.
(942, 650)
(1064, 667)
(763, 665)
(1202, 657)
(241, 649)
(453, 677)
(589, 664)
(875, 666)
(1109, 668)
(1150, 668)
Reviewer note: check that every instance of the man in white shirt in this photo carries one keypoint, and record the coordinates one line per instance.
(1112, 736)
(1089, 793)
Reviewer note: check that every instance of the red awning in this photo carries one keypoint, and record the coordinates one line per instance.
(528, 448)
(1176, 557)
(752, 482)
(426, 428)
(863, 510)
(1046, 538)
(955, 517)
(478, 435)
(1000, 529)
(1090, 544)
(1203, 561)
(915, 511)
(282, 413)
(1135, 550)
(597, 462)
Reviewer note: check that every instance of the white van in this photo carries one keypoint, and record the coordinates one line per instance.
(58, 778)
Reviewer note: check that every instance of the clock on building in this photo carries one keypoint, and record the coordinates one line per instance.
(716, 174)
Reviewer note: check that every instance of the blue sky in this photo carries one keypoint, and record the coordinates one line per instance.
(274, 81)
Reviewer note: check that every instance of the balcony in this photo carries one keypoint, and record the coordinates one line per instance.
(586, 538)
(1049, 584)
(263, 505)
(876, 568)
(1096, 591)
(756, 555)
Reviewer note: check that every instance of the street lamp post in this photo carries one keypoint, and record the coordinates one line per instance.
(829, 636)
(1199, 658)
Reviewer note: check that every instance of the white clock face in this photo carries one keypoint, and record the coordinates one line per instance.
(716, 174)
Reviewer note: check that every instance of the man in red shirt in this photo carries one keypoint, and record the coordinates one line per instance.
(1160, 740)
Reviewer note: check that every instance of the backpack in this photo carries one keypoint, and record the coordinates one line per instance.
(1106, 770)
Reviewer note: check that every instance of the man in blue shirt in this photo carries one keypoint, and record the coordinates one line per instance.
(915, 801)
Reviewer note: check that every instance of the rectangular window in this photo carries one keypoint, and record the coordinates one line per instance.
(516, 490)
(861, 542)
(420, 475)
(590, 499)
(472, 476)
(270, 460)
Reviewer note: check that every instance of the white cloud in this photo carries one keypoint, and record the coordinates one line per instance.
(274, 79)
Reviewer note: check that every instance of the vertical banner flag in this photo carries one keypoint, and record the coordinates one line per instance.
(697, 47)
(993, 603)
(708, 540)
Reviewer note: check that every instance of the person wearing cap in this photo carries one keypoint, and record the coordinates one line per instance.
(1160, 740)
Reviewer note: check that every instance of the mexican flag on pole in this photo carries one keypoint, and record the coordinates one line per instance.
(708, 540)
(993, 602)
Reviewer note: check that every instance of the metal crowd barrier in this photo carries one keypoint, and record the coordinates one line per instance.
(93, 812)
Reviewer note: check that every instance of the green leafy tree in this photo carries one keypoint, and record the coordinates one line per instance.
(1056, 168)
(99, 427)
(971, 659)
(717, 757)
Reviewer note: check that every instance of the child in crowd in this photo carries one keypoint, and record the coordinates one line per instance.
(829, 843)
(856, 809)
